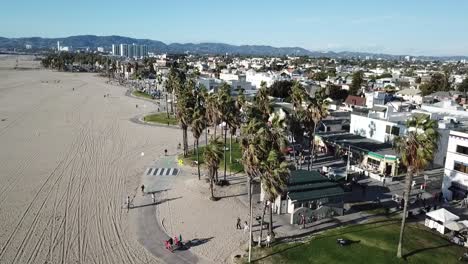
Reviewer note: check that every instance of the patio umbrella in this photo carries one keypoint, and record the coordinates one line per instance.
(454, 226)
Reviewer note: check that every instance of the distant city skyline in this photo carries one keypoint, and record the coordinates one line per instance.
(396, 27)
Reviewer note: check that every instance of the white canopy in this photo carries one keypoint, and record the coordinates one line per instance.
(464, 222)
(442, 215)
(455, 226)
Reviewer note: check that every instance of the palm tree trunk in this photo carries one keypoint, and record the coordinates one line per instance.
(261, 225)
(311, 160)
(167, 108)
(185, 141)
(198, 161)
(225, 136)
(211, 185)
(230, 148)
(409, 180)
(270, 225)
(250, 215)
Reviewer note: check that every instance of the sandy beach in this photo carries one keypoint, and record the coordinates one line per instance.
(68, 160)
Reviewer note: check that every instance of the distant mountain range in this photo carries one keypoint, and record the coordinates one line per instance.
(92, 42)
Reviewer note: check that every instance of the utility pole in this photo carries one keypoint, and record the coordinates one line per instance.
(347, 164)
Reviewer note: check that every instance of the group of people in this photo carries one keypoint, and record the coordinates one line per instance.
(171, 242)
(239, 226)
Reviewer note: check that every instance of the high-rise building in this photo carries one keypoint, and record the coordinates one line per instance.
(124, 50)
(130, 51)
(115, 50)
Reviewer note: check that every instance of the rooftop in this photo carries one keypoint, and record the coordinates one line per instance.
(311, 185)
(358, 143)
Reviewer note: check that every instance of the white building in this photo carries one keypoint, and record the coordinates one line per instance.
(455, 182)
(256, 78)
(100, 49)
(385, 126)
(410, 95)
(375, 98)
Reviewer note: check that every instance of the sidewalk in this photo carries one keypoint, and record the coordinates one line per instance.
(149, 228)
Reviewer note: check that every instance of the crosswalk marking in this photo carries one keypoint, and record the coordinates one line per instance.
(162, 171)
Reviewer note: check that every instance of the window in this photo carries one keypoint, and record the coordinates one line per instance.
(388, 129)
(373, 162)
(395, 131)
(460, 167)
(462, 150)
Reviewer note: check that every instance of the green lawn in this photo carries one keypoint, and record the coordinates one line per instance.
(374, 243)
(160, 118)
(236, 155)
(142, 94)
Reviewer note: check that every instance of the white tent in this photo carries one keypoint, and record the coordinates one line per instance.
(455, 226)
(464, 222)
(438, 219)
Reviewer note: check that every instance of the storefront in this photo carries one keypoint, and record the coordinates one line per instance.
(384, 165)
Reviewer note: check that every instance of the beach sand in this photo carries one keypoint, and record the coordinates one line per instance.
(68, 160)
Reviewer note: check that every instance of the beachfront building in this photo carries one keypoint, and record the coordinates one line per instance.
(455, 182)
(308, 193)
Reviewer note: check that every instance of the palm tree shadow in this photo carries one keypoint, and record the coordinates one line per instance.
(414, 252)
(156, 203)
(279, 251)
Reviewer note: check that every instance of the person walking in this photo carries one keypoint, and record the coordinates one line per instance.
(165, 152)
(238, 224)
(153, 197)
(246, 227)
(383, 181)
(128, 203)
(143, 189)
(268, 240)
(303, 220)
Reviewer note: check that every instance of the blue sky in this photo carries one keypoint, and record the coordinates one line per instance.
(397, 27)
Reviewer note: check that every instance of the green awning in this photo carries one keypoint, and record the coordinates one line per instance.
(381, 157)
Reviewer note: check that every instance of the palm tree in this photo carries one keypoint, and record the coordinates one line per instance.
(198, 125)
(212, 156)
(262, 102)
(212, 111)
(227, 107)
(186, 104)
(275, 168)
(317, 110)
(253, 149)
(274, 178)
(416, 149)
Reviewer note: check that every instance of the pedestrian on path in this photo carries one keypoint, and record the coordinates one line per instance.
(303, 221)
(383, 181)
(128, 203)
(238, 225)
(153, 198)
(143, 189)
(165, 152)
(268, 240)
(246, 227)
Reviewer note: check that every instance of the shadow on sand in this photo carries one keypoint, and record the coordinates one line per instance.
(156, 203)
